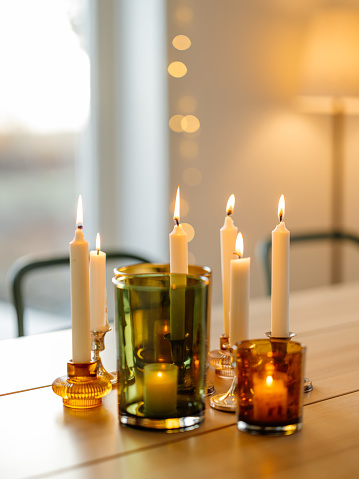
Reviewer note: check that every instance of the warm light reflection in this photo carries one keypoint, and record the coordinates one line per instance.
(192, 176)
(281, 208)
(230, 204)
(239, 245)
(176, 215)
(177, 69)
(269, 380)
(175, 123)
(181, 42)
(80, 213)
(190, 124)
(187, 104)
(98, 242)
(184, 208)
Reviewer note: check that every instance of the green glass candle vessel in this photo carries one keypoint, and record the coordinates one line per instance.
(161, 328)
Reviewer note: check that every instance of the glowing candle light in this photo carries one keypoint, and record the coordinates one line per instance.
(228, 235)
(280, 276)
(178, 243)
(80, 296)
(270, 397)
(160, 389)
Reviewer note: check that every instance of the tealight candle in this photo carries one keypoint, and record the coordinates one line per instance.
(280, 276)
(160, 389)
(228, 235)
(80, 294)
(98, 307)
(269, 398)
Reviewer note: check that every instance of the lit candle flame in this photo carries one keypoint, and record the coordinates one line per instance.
(176, 215)
(281, 208)
(230, 204)
(98, 243)
(80, 214)
(159, 375)
(269, 380)
(239, 245)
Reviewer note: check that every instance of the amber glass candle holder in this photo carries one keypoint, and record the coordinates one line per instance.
(193, 270)
(270, 386)
(161, 325)
(82, 388)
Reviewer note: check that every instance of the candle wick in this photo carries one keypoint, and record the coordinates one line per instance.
(239, 256)
(98, 252)
(229, 213)
(80, 227)
(177, 222)
(280, 217)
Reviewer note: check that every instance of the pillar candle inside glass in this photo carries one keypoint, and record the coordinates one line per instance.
(160, 389)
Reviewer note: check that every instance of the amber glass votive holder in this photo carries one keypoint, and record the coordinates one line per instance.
(270, 386)
(161, 334)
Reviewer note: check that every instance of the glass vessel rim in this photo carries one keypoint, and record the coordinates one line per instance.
(247, 344)
(161, 268)
(119, 281)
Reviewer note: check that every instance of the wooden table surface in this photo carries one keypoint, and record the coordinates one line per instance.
(42, 438)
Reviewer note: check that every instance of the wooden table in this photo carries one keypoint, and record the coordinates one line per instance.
(41, 438)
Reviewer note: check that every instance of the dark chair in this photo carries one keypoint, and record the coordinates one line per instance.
(264, 247)
(27, 264)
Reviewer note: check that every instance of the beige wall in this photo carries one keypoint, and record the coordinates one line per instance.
(243, 68)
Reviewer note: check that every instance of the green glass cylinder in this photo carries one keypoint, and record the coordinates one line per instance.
(161, 320)
(270, 386)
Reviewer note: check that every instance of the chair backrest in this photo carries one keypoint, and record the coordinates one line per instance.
(25, 265)
(264, 247)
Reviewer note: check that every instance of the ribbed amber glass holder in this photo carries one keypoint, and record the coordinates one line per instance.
(82, 388)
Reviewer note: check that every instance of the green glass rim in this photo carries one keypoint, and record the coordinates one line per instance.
(193, 282)
(150, 268)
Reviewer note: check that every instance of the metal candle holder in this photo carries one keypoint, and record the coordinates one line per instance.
(98, 345)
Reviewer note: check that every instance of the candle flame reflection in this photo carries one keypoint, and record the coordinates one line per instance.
(159, 375)
(230, 204)
(281, 208)
(269, 380)
(176, 215)
(239, 245)
(80, 214)
(98, 242)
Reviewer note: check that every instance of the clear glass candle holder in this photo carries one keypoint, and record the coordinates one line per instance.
(270, 386)
(161, 327)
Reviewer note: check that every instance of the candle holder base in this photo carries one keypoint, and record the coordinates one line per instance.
(82, 388)
(227, 401)
(98, 345)
(221, 359)
(308, 385)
